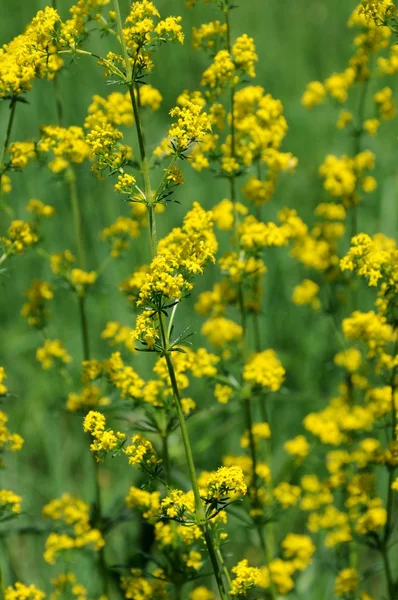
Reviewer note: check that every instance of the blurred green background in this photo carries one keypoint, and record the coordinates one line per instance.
(297, 41)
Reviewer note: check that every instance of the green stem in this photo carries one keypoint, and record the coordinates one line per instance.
(140, 134)
(76, 215)
(84, 327)
(388, 572)
(98, 523)
(7, 137)
(199, 509)
(58, 101)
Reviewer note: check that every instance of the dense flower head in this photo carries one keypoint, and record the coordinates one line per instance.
(373, 259)
(104, 440)
(75, 513)
(52, 353)
(90, 396)
(141, 452)
(66, 146)
(9, 502)
(137, 585)
(264, 369)
(181, 255)
(21, 591)
(191, 126)
(31, 54)
(307, 293)
(8, 441)
(21, 235)
(34, 310)
(246, 577)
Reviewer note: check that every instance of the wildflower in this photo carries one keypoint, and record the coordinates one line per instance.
(147, 502)
(141, 452)
(39, 209)
(299, 549)
(21, 235)
(264, 369)
(9, 501)
(119, 334)
(287, 494)
(281, 572)
(67, 145)
(201, 593)
(21, 591)
(181, 255)
(60, 263)
(244, 55)
(313, 95)
(90, 397)
(221, 331)
(123, 377)
(136, 585)
(346, 581)
(297, 446)
(120, 234)
(34, 310)
(223, 393)
(81, 280)
(8, 441)
(3, 376)
(306, 293)
(248, 577)
(104, 440)
(260, 431)
(52, 352)
(191, 126)
(351, 359)
(22, 153)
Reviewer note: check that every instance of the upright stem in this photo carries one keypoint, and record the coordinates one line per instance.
(133, 90)
(199, 509)
(7, 137)
(84, 328)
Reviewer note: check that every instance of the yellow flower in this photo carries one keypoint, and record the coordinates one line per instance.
(313, 95)
(346, 581)
(51, 352)
(21, 591)
(39, 209)
(306, 293)
(264, 369)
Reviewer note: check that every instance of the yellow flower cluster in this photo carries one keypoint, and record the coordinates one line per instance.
(342, 176)
(52, 353)
(90, 397)
(307, 293)
(373, 259)
(123, 377)
(10, 502)
(208, 35)
(104, 440)
(8, 440)
(39, 209)
(21, 235)
(67, 145)
(141, 452)
(119, 334)
(120, 234)
(3, 377)
(75, 514)
(21, 591)
(264, 369)
(181, 255)
(34, 310)
(30, 55)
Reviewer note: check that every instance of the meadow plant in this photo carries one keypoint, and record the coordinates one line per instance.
(204, 524)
